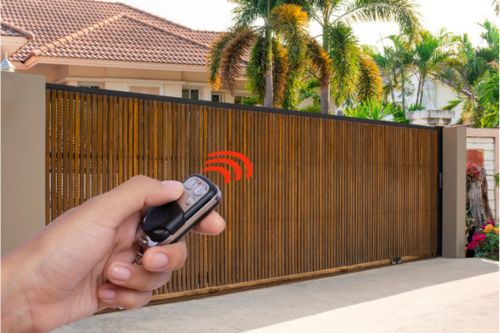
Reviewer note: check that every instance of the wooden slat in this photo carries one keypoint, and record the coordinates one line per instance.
(326, 195)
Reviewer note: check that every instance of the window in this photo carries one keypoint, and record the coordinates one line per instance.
(217, 97)
(190, 93)
(89, 84)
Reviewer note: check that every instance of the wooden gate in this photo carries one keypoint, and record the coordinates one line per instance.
(328, 193)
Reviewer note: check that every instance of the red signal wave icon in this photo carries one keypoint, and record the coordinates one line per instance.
(218, 158)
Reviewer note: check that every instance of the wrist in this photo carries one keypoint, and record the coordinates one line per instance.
(16, 308)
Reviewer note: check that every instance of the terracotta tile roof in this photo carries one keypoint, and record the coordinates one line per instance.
(89, 29)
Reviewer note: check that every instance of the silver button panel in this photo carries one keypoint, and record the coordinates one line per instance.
(194, 189)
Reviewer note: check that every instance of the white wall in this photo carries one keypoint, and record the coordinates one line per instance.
(441, 95)
(172, 89)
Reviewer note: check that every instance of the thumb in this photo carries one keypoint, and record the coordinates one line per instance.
(111, 208)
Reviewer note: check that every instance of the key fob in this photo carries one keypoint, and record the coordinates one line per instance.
(168, 223)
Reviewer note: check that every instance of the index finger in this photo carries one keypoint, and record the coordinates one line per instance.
(213, 224)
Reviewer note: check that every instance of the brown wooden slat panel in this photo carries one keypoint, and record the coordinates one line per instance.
(327, 193)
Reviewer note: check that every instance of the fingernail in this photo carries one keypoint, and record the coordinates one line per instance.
(120, 273)
(159, 260)
(107, 294)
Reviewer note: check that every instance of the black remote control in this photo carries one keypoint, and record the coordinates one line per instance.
(168, 223)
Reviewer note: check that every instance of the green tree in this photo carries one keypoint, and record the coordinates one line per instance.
(271, 35)
(434, 54)
(335, 18)
(396, 61)
(474, 76)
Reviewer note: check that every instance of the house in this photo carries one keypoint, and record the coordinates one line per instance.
(109, 45)
(437, 95)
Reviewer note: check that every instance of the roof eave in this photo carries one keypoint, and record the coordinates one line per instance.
(37, 60)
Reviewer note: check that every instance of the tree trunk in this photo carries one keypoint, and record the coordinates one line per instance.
(324, 96)
(422, 84)
(393, 97)
(268, 94)
(324, 99)
(419, 87)
(477, 199)
(403, 93)
(393, 94)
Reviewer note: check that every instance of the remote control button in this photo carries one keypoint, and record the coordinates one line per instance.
(190, 201)
(200, 190)
(190, 183)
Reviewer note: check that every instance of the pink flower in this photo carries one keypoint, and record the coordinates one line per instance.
(481, 237)
(471, 245)
(478, 238)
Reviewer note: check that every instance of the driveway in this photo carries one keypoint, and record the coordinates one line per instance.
(434, 295)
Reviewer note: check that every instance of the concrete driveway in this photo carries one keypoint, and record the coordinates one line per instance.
(435, 295)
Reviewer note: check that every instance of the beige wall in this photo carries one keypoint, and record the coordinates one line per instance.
(52, 73)
(10, 44)
(23, 157)
(454, 160)
(168, 82)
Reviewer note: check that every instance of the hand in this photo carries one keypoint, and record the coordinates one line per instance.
(82, 262)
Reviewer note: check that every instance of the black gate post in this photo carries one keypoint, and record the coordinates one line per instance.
(439, 231)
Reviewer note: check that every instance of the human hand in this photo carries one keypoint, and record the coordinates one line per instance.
(82, 262)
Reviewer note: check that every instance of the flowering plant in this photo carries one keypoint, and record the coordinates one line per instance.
(473, 171)
(485, 241)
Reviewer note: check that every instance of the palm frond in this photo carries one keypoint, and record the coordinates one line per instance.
(491, 37)
(344, 54)
(232, 56)
(256, 69)
(320, 61)
(214, 58)
(290, 22)
(291, 96)
(489, 117)
(370, 109)
(370, 85)
(309, 88)
(246, 12)
(403, 12)
(280, 73)
(452, 104)
(488, 88)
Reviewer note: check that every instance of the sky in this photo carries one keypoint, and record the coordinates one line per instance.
(457, 16)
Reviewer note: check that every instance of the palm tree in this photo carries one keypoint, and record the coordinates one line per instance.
(271, 37)
(335, 17)
(396, 62)
(434, 55)
(388, 64)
